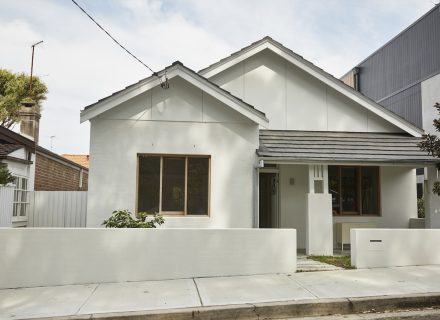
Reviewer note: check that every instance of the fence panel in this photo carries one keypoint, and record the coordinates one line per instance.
(62, 209)
(6, 205)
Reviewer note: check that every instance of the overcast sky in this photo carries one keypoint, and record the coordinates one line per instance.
(80, 64)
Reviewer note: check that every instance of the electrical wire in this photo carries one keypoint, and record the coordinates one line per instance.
(116, 41)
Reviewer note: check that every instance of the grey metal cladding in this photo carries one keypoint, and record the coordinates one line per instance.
(341, 146)
(405, 61)
(407, 104)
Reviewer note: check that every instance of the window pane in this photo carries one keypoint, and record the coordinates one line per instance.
(370, 189)
(349, 189)
(198, 179)
(149, 184)
(333, 186)
(173, 184)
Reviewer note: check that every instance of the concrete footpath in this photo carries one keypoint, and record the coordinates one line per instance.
(338, 291)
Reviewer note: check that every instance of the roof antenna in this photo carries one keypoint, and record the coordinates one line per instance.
(164, 84)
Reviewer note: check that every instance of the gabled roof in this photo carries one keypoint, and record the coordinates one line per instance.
(7, 148)
(310, 68)
(342, 147)
(176, 69)
(10, 136)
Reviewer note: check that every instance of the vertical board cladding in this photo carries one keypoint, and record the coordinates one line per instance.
(58, 209)
(53, 175)
(6, 205)
(392, 75)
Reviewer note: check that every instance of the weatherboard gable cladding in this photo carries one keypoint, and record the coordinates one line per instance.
(297, 95)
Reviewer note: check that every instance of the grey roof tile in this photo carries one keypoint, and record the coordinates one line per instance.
(341, 146)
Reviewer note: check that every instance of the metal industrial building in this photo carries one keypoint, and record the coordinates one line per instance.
(404, 74)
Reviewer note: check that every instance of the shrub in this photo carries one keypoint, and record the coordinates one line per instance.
(124, 219)
(5, 176)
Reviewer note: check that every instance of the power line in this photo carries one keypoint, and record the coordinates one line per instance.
(116, 41)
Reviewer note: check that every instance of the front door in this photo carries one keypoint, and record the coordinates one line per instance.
(268, 200)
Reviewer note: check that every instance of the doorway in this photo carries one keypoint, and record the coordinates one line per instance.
(268, 200)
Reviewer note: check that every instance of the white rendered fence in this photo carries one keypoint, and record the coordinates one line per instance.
(375, 248)
(60, 256)
(62, 209)
(6, 205)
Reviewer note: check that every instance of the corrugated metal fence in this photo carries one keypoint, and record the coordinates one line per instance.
(6, 205)
(62, 209)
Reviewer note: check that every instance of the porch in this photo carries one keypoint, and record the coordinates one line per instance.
(322, 183)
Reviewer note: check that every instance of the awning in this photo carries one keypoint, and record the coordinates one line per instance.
(303, 146)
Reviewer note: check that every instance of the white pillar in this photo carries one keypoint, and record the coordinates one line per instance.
(432, 200)
(319, 220)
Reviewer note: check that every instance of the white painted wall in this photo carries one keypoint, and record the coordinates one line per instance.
(376, 248)
(48, 257)
(294, 100)
(181, 120)
(397, 191)
(292, 200)
(319, 233)
(398, 199)
(430, 95)
(62, 209)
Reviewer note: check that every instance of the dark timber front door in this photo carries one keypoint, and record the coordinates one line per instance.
(268, 200)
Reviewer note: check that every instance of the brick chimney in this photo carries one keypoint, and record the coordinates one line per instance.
(30, 122)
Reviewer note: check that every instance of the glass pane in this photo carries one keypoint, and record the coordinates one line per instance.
(149, 184)
(15, 211)
(349, 189)
(23, 196)
(370, 190)
(173, 184)
(333, 186)
(24, 183)
(23, 210)
(198, 179)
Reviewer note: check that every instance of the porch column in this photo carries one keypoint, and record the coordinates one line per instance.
(319, 219)
(432, 201)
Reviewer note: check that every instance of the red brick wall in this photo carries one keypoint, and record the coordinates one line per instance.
(51, 175)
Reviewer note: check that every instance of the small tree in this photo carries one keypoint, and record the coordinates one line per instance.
(5, 176)
(14, 88)
(431, 144)
(124, 219)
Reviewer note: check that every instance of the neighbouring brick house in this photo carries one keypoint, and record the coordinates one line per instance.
(81, 159)
(56, 173)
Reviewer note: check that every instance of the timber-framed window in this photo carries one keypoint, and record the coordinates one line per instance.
(173, 184)
(355, 190)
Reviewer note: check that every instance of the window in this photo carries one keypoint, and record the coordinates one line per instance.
(21, 198)
(354, 190)
(173, 184)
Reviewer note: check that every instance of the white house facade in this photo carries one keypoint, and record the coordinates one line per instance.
(263, 139)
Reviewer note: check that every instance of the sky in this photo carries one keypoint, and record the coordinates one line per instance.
(81, 65)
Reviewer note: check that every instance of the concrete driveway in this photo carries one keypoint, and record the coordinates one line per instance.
(185, 293)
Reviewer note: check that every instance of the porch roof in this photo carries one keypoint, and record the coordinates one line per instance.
(303, 146)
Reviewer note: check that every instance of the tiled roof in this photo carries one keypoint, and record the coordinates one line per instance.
(81, 159)
(341, 147)
(7, 148)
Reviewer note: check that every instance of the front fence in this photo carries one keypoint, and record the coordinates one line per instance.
(58, 209)
(47, 257)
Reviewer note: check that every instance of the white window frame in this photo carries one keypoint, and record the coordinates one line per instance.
(17, 202)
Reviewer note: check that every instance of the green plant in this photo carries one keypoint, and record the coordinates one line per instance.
(420, 207)
(5, 176)
(124, 219)
(339, 261)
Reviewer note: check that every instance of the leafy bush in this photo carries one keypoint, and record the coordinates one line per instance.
(5, 176)
(124, 219)
(420, 207)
